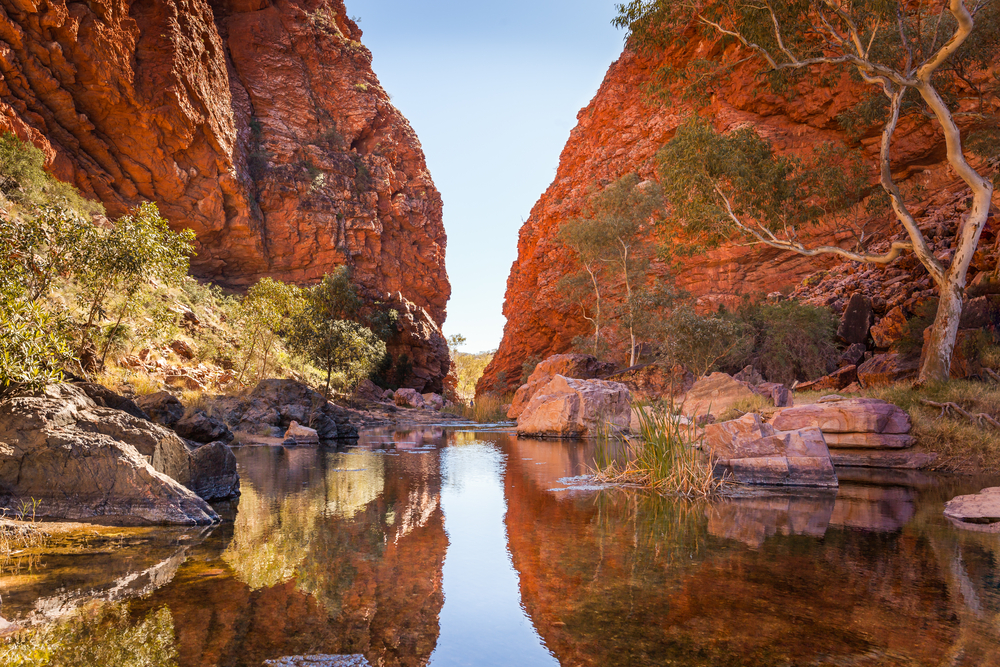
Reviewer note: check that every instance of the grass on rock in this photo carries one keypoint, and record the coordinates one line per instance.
(663, 457)
(487, 409)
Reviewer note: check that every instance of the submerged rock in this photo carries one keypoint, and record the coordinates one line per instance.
(86, 462)
(300, 435)
(978, 511)
(571, 408)
(356, 660)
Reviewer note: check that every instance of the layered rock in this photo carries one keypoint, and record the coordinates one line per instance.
(579, 366)
(83, 461)
(620, 131)
(260, 125)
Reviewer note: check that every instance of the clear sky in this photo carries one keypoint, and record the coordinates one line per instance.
(492, 90)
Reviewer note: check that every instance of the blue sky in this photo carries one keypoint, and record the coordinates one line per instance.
(492, 90)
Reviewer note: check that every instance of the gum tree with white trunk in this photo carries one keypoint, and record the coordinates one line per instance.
(921, 57)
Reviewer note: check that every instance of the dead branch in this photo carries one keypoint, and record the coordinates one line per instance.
(947, 408)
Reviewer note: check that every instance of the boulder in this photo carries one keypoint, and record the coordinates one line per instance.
(388, 395)
(868, 458)
(213, 473)
(835, 381)
(572, 408)
(182, 349)
(433, 401)
(856, 320)
(779, 395)
(368, 391)
(750, 375)
(106, 398)
(886, 369)
(654, 382)
(978, 511)
(300, 435)
(274, 404)
(890, 329)
(980, 313)
(852, 415)
(86, 462)
(162, 407)
(715, 394)
(753, 452)
(579, 366)
(853, 355)
(409, 398)
(199, 427)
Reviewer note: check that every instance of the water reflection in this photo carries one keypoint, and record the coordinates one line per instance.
(463, 548)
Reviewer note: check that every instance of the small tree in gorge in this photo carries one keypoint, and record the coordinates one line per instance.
(736, 181)
(611, 248)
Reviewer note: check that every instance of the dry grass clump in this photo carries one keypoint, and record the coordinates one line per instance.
(664, 457)
(755, 403)
(963, 444)
(486, 409)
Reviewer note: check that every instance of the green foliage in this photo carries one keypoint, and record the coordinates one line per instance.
(45, 243)
(699, 342)
(262, 316)
(611, 248)
(528, 367)
(323, 331)
(725, 185)
(786, 341)
(363, 181)
(468, 368)
(23, 179)
(34, 344)
(103, 635)
(138, 248)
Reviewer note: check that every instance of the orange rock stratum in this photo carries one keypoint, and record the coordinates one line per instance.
(258, 124)
(621, 130)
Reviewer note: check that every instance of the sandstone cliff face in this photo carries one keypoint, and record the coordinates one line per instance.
(621, 130)
(258, 124)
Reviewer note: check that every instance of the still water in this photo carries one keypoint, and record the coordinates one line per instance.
(451, 547)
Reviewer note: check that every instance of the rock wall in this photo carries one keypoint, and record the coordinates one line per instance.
(258, 124)
(621, 130)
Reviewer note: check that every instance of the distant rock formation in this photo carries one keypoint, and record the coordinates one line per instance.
(258, 124)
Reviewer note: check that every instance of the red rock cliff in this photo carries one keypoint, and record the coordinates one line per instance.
(258, 124)
(621, 130)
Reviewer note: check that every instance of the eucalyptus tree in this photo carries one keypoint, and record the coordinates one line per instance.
(613, 250)
(929, 60)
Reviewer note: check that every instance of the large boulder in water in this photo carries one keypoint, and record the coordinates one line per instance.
(86, 462)
(579, 366)
(571, 408)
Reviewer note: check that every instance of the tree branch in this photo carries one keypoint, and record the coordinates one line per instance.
(895, 250)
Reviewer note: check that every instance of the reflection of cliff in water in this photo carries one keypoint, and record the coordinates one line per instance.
(860, 577)
(332, 552)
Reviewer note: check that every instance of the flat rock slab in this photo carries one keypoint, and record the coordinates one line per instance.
(977, 511)
(881, 459)
(869, 440)
(357, 660)
(783, 471)
(851, 415)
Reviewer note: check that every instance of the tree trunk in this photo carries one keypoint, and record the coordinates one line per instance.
(937, 361)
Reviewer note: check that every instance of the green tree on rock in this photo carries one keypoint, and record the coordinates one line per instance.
(922, 62)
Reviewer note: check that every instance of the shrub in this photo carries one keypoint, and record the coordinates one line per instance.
(787, 341)
(23, 179)
(33, 347)
(700, 342)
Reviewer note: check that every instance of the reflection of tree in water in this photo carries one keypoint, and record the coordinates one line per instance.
(622, 579)
(331, 553)
(276, 536)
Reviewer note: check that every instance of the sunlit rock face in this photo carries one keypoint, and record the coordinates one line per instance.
(621, 130)
(260, 125)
